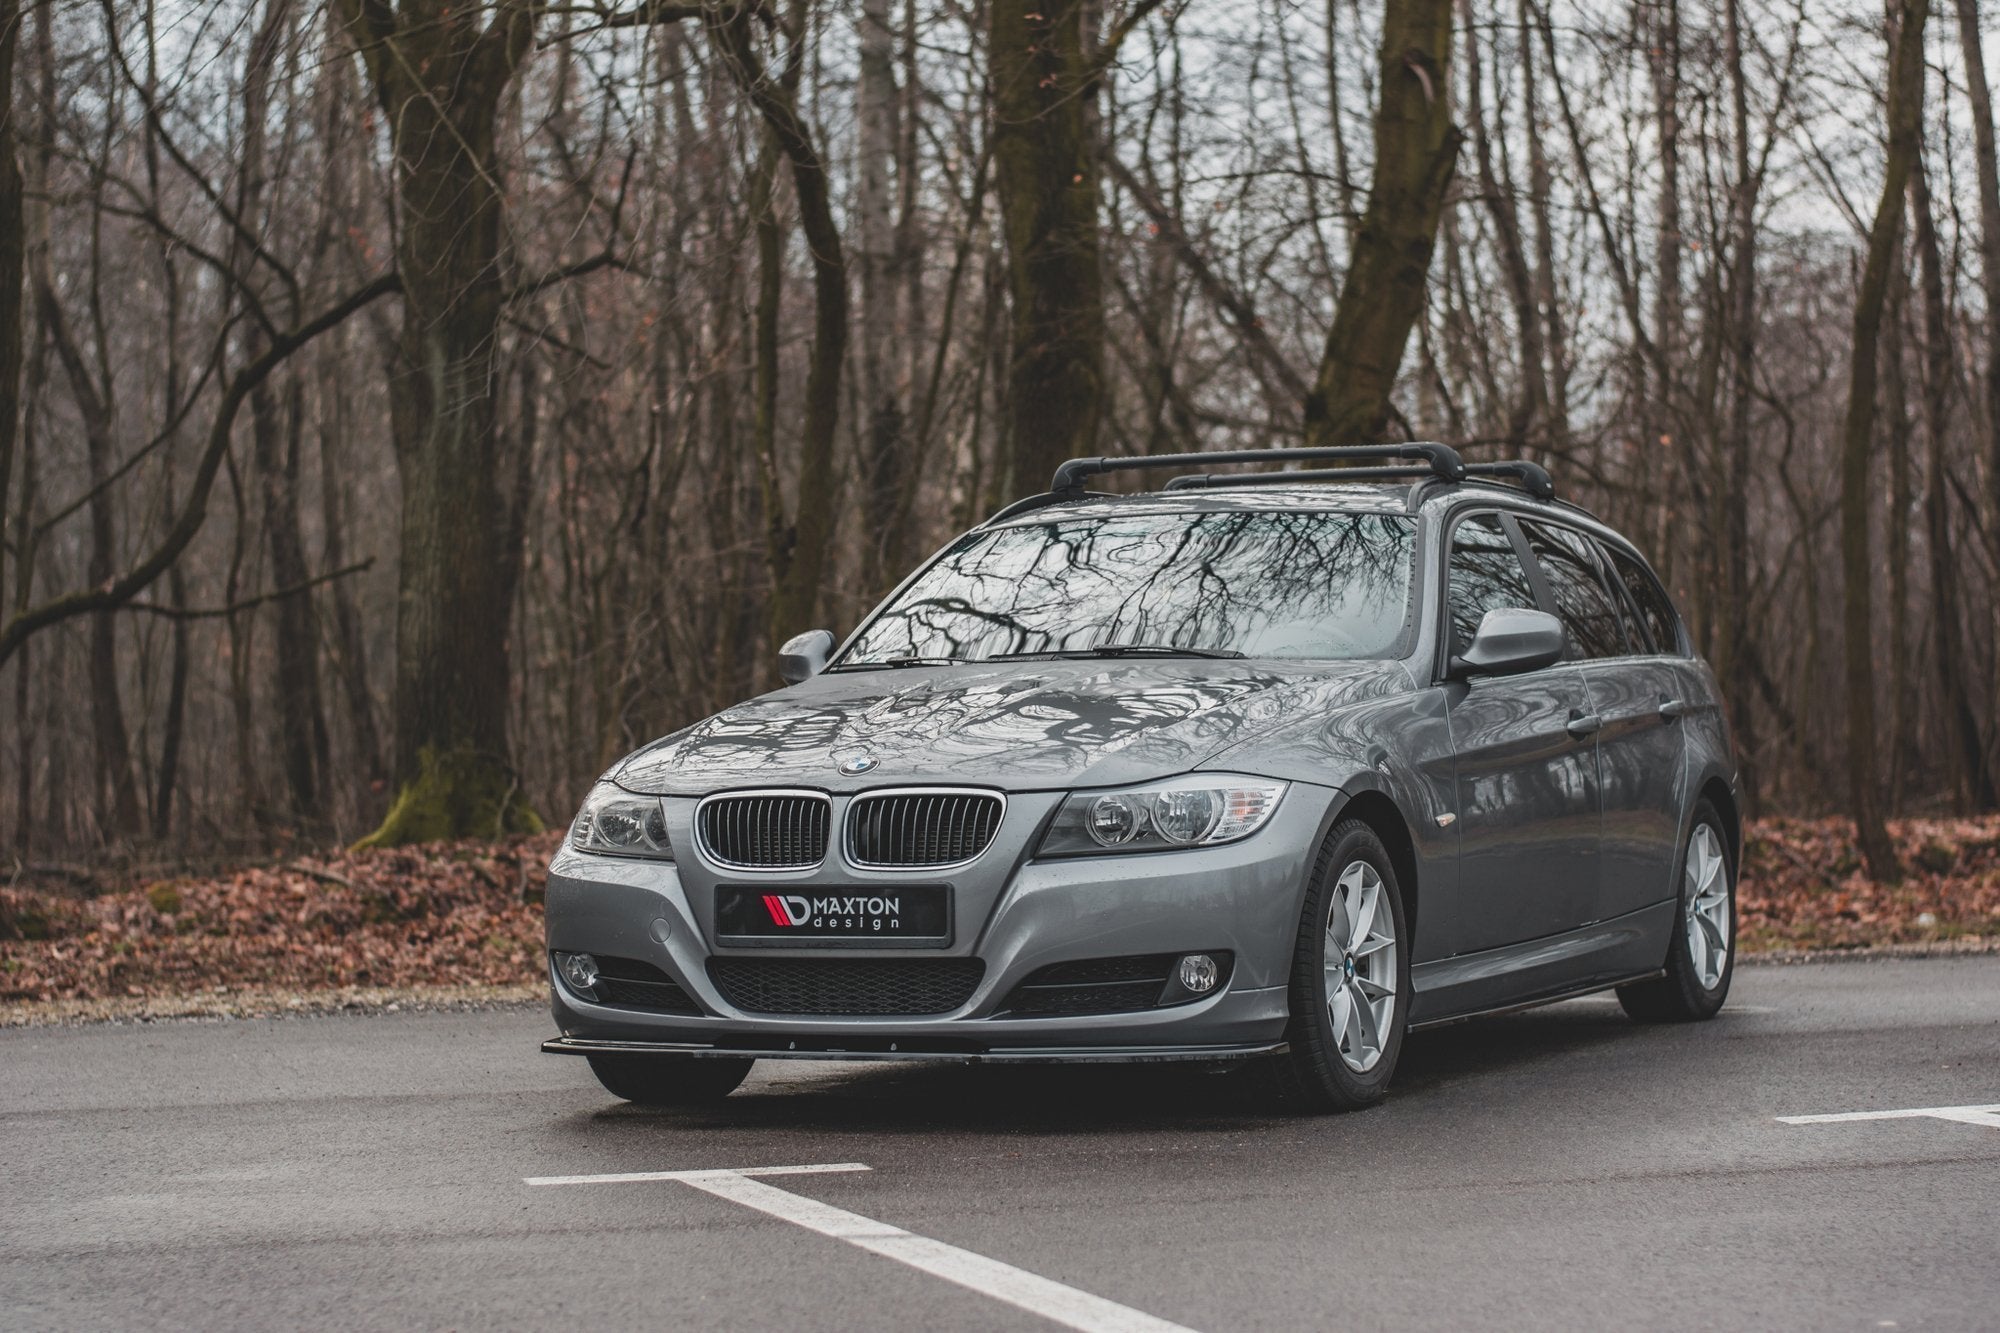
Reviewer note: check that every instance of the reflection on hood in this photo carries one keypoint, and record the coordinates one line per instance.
(1019, 726)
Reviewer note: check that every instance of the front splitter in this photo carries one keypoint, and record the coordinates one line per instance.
(1019, 1055)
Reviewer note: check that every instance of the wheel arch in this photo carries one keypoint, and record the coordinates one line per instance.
(1718, 794)
(1379, 811)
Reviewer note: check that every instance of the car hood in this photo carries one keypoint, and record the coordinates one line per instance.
(1019, 726)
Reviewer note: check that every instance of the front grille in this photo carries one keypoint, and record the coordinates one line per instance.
(921, 828)
(627, 983)
(765, 830)
(846, 986)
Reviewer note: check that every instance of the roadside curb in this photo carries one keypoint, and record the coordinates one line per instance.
(1969, 946)
(212, 1006)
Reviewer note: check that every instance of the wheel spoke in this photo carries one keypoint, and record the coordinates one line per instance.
(1372, 945)
(1373, 989)
(1340, 1010)
(1365, 1020)
(1361, 913)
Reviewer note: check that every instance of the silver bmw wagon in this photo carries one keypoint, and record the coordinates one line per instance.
(1274, 767)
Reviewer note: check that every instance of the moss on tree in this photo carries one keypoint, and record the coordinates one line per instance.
(455, 794)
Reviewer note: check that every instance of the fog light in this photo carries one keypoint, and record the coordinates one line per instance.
(580, 969)
(1199, 973)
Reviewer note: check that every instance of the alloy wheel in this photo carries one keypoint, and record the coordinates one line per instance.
(1708, 916)
(1360, 966)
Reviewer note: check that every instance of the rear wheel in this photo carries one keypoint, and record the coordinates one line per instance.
(669, 1080)
(1702, 955)
(1350, 981)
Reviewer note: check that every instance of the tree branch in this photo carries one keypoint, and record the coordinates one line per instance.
(248, 603)
(117, 591)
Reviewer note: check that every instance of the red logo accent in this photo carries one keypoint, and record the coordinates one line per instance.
(776, 907)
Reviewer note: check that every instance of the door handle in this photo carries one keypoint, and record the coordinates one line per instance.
(1585, 724)
(1670, 709)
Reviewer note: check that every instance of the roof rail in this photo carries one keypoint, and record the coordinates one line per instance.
(1297, 477)
(1533, 478)
(1442, 460)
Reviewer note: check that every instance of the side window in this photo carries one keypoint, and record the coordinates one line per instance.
(1486, 574)
(1582, 601)
(1655, 611)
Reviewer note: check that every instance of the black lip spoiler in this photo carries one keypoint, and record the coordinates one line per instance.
(1011, 1056)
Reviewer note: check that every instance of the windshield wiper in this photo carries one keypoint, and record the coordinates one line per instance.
(1120, 650)
(899, 662)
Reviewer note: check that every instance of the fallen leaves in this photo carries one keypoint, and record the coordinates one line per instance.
(1804, 885)
(463, 914)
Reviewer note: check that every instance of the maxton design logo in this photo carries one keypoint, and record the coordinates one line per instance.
(789, 910)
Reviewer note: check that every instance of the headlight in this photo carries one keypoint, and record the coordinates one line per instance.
(614, 822)
(1200, 810)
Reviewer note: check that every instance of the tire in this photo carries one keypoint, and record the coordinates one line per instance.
(669, 1080)
(1344, 1041)
(1701, 957)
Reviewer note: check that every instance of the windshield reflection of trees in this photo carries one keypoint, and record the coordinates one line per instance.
(1304, 585)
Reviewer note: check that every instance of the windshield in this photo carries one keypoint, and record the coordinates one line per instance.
(1288, 584)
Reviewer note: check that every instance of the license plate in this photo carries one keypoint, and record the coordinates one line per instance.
(917, 914)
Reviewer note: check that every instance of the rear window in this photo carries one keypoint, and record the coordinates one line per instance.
(1656, 613)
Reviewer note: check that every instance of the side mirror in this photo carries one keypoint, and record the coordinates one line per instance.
(1511, 640)
(804, 655)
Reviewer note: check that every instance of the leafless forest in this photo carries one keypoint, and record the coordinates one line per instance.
(408, 406)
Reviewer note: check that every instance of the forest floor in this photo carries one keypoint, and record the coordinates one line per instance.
(460, 924)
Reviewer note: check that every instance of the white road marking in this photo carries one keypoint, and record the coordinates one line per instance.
(624, 1177)
(989, 1277)
(1988, 1116)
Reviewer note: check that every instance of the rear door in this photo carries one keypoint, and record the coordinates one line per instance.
(1526, 776)
(1642, 751)
(1639, 748)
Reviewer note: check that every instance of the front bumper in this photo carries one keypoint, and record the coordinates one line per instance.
(1016, 915)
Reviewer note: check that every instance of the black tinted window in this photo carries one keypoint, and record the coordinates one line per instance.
(1270, 584)
(1485, 576)
(1582, 601)
(1656, 613)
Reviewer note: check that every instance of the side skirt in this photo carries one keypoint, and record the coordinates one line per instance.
(1557, 967)
(1593, 988)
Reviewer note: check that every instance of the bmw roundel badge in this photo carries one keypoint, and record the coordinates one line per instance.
(861, 763)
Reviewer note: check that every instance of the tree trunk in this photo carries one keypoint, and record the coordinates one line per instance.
(1979, 92)
(876, 254)
(1045, 158)
(1966, 754)
(1530, 407)
(275, 430)
(1906, 89)
(1732, 661)
(1416, 151)
(439, 74)
(799, 545)
(13, 251)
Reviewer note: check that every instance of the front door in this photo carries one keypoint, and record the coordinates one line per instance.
(1526, 765)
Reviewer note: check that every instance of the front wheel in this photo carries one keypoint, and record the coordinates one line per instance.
(1702, 955)
(1350, 983)
(669, 1080)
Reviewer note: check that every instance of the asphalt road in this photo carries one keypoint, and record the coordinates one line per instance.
(1561, 1168)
